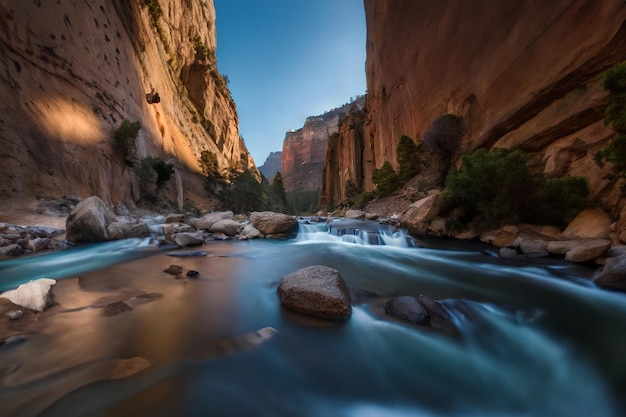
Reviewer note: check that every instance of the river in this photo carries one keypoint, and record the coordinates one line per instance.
(537, 338)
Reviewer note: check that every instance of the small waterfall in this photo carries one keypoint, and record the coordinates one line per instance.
(359, 232)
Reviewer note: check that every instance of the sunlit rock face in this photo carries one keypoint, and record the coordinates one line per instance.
(520, 74)
(304, 150)
(72, 71)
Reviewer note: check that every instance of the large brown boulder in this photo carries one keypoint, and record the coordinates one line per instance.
(226, 226)
(88, 222)
(125, 230)
(583, 250)
(589, 224)
(205, 222)
(271, 223)
(418, 216)
(316, 290)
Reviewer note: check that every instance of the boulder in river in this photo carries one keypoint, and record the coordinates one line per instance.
(271, 223)
(88, 222)
(226, 226)
(316, 290)
(407, 308)
(125, 230)
(34, 295)
(205, 222)
(613, 274)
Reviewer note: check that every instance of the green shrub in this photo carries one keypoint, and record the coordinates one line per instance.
(498, 187)
(125, 137)
(559, 200)
(494, 186)
(352, 191)
(303, 202)
(244, 194)
(153, 173)
(615, 115)
(362, 200)
(277, 197)
(385, 179)
(409, 159)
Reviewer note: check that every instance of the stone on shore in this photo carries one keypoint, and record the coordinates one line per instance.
(418, 216)
(271, 223)
(34, 295)
(355, 214)
(188, 239)
(583, 250)
(126, 230)
(316, 290)
(613, 274)
(88, 222)
(250, 232)
(205, 222)
(589, 224)
(226, 226)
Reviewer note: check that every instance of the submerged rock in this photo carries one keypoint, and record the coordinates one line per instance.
(407, 308)
(316, 290)
(34, 295)
(174, 270)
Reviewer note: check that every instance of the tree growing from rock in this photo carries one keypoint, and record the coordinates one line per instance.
(386, 179)
(615, 116)
(409, 159)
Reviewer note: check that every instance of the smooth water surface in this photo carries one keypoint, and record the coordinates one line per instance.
(536, 338)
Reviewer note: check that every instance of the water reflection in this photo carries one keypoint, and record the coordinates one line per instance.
(534, 342)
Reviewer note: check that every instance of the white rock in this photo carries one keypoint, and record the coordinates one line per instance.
(34, 295)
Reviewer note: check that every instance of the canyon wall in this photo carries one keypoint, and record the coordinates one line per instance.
(304, 150)
(520, 74)
(272, 165)
(71, 72)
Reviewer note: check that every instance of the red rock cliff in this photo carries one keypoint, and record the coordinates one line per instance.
(72, 71)
(304, 150)
(521, 74)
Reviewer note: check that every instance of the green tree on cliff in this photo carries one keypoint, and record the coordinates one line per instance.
(615, 116)
(244, 194)
(409, 159)
(386, 179)
(277, 195)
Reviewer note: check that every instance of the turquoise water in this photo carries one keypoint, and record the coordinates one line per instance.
(536, 338)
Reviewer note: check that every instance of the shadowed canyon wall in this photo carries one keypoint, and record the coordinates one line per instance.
(521, 74)
(71, 71)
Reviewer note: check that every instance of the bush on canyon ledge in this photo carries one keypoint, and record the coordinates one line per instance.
(409, 157)
(498, 187)
(386, 179)
(615, 115)
(124, 138)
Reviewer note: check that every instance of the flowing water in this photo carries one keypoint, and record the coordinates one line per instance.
(536, 338)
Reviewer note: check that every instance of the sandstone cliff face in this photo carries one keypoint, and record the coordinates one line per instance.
(521, 74)
(72, 71)
(304, 150)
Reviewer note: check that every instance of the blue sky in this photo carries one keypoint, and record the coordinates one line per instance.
(286, 60)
